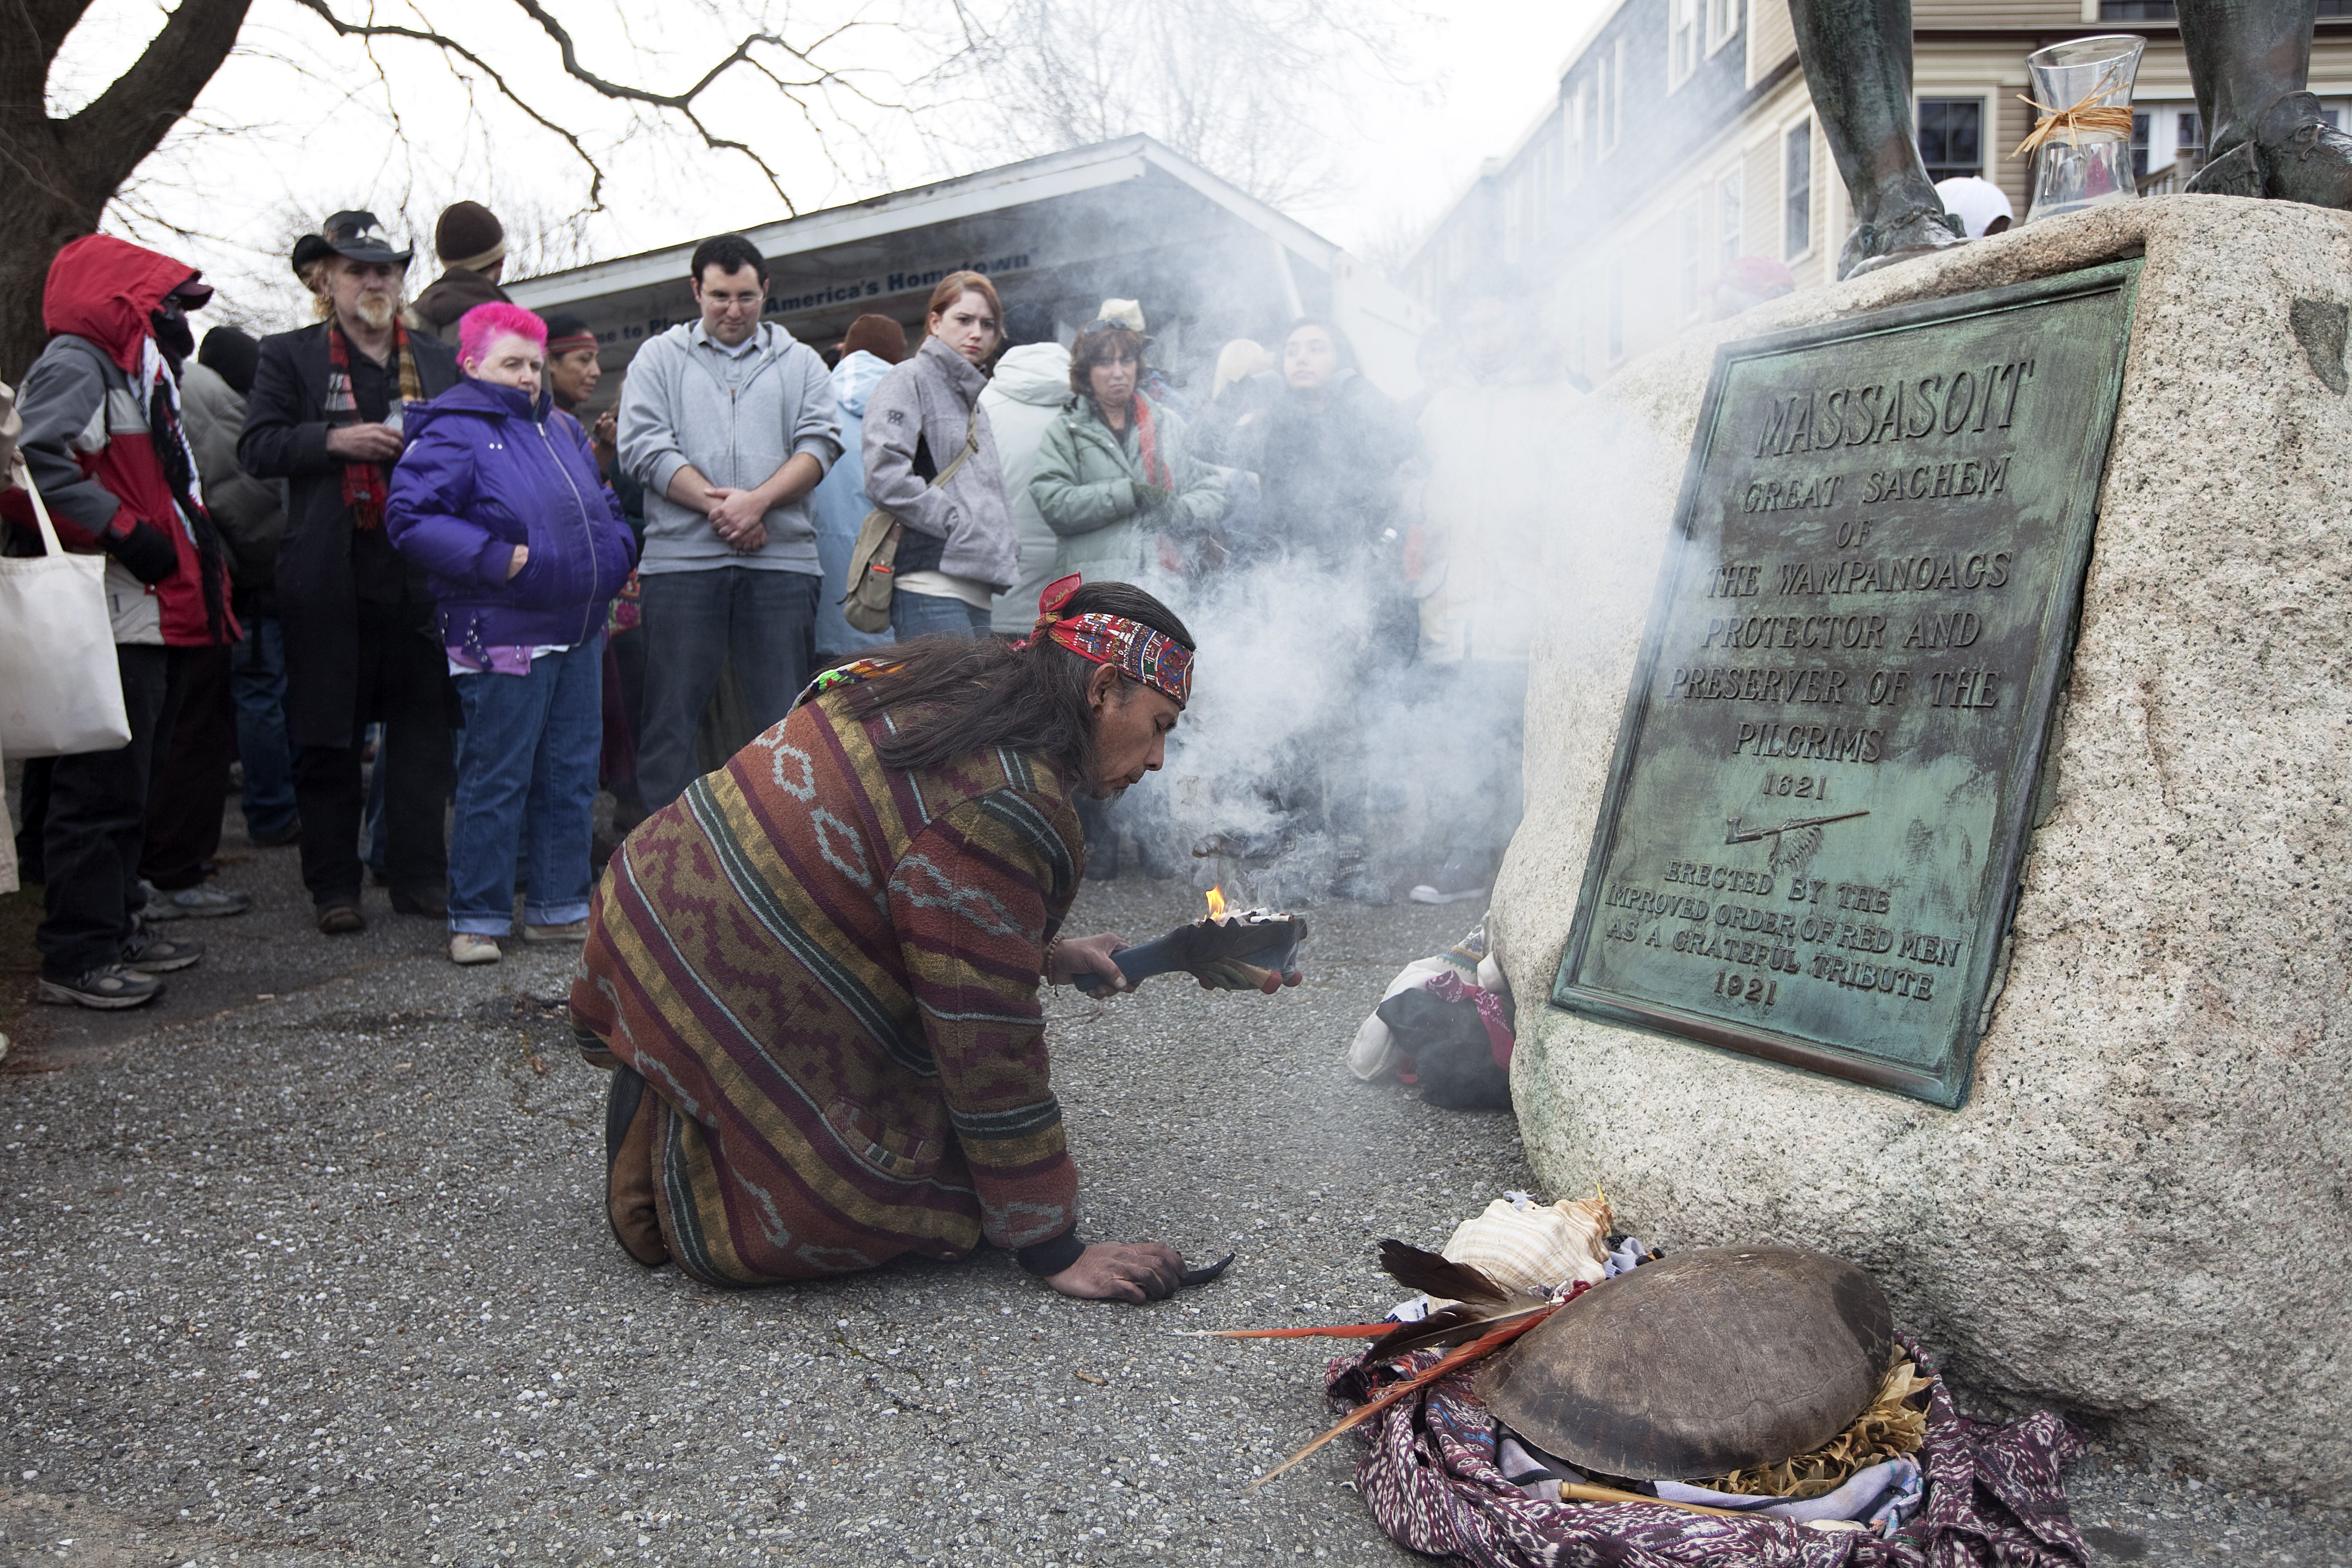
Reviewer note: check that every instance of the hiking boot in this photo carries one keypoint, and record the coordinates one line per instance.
(340, 919)
(206, 900)
(152, 954)
(471, 947)
(107, 987)
(571, 930)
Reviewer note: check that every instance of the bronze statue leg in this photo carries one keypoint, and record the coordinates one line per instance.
(1856, 55)
(2250, 60)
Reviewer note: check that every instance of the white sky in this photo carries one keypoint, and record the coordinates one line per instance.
(299, 124)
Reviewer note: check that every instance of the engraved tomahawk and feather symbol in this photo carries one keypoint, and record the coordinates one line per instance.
(1794, 841)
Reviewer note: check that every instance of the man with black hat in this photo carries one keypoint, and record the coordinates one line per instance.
(361, 642)
(472, 245)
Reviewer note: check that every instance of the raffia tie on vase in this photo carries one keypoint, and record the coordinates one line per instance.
(2086, 114)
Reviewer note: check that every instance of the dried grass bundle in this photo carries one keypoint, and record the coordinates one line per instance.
(1893, 1425)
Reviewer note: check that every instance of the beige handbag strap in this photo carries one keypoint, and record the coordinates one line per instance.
(22, 476)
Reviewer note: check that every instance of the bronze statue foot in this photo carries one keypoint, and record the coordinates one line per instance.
(2292, 156)
(1919, 231)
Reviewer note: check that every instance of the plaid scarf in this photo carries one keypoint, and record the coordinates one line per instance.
(365, 485)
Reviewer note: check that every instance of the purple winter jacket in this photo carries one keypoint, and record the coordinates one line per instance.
(487, 468)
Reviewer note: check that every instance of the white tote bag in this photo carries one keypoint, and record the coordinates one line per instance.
(60, 688)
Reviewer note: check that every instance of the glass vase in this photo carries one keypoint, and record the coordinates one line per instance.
(2080, 165)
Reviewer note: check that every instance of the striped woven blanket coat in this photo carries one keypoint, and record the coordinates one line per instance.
(829, 972)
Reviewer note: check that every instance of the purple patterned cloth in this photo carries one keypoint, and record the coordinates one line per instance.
(1996, 1496)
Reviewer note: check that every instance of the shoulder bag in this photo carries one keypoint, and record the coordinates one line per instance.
(872, 563)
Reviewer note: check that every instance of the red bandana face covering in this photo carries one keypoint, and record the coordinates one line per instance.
(1155, 659)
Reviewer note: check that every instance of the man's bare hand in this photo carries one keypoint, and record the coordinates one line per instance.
(1081, 957)
(1120, 1271)
(364, 443)
(736, 514)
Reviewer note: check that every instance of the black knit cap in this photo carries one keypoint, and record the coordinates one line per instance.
(231, 353)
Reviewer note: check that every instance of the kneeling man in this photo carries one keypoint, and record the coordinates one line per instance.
(817, 970)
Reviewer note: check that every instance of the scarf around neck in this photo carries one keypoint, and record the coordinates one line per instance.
(366, 485)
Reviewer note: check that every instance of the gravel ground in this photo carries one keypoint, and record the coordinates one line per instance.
(307, 1265)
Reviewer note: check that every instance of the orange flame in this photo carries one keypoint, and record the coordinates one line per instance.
(1216, 904)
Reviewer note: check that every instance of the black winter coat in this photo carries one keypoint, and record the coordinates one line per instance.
(318, 593)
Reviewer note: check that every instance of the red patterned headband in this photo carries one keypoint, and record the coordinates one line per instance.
(1155, 659)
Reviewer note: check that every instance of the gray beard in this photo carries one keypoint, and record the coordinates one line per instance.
(375, 311)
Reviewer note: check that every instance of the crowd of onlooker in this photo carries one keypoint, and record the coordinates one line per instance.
(379, 567)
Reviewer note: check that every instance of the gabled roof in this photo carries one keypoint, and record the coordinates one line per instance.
(991, 191)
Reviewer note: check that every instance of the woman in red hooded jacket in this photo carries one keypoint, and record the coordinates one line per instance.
(103, 444)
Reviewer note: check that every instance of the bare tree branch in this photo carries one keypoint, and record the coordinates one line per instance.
(448, 45)
(119, 128)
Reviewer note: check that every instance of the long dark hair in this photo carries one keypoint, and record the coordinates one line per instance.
(954, 696)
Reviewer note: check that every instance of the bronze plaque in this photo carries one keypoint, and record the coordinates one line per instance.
(1809, 846)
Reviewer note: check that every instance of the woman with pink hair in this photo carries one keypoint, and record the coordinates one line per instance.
(498, 497)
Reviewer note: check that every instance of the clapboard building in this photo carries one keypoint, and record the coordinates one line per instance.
(1682, 137)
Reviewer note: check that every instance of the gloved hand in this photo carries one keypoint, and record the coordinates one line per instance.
(1152, 498)
(146, 551)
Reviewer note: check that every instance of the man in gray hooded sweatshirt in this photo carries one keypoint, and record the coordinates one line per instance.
(729, 423)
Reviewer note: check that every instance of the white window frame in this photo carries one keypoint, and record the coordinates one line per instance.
(1572, 133)
(1612, 317)
(1731, 238)
(1605, 91)
(1988, 159)
(1693, 257)
(1813, 155)
(1724, 13)
(1684, 25)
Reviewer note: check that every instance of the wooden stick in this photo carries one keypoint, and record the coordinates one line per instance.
(1451, 1362)
(1578, 1492)
(1338, 1331)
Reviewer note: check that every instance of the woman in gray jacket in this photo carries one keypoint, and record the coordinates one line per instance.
(1114, 471)
(924, 420)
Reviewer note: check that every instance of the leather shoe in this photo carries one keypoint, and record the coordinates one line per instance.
(340, 919)
(421, 901)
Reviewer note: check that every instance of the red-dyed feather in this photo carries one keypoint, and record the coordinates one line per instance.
(1487, 1344)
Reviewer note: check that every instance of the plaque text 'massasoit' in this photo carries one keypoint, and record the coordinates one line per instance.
(1819, 796)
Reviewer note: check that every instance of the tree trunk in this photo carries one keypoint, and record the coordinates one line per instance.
(60, 173)
(40, 221)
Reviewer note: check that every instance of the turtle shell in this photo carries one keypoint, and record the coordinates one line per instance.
(1713, 1361)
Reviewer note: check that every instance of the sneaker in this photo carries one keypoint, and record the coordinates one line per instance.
(1457, 882)
(152, 954)
(107, 987)
(206, 900)
(340, 919)
(575, 931)
(466, 947)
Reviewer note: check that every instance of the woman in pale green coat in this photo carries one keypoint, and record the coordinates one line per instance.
(1113, 472)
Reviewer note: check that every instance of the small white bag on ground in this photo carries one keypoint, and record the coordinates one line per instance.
(60, 686)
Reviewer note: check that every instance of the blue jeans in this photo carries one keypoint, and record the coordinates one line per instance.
(694, 623)
(531, 740)
(257, 682)
(922, 615)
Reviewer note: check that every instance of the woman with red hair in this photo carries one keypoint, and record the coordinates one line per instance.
(498, 497)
